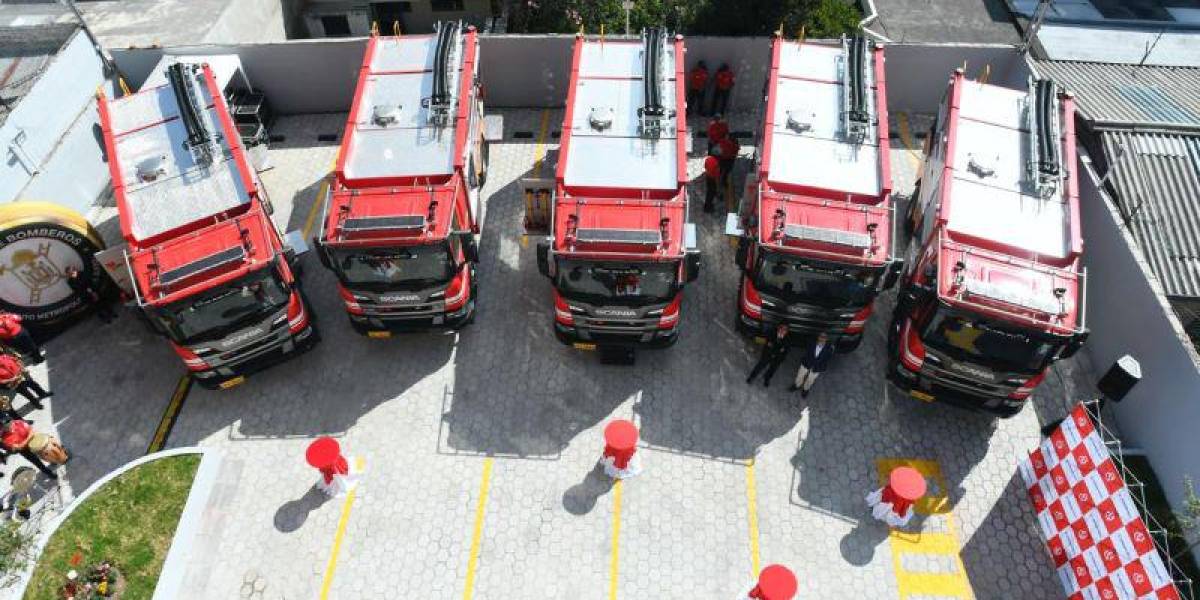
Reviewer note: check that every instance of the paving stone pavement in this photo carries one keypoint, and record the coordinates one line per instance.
(426, 410)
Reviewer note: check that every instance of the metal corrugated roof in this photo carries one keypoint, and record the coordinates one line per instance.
(1129, 94)
(1157, 185)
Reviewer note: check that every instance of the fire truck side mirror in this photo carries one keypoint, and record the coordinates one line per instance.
(743, 250)
(691, 265)
(543, 258)
(322, 253)
(470, 248)
(892, 275)
(1074, 345)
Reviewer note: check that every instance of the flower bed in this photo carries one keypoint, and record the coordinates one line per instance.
(129, 522)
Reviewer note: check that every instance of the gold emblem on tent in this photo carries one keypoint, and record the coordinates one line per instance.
(34, 270)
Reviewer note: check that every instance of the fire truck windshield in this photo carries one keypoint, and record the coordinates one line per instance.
(808, 282)
(221, 310)
(986, 343)
(613, 283)
(392, 268)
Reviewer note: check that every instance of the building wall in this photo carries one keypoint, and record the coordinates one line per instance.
(58, 122)
(534, 71)
(419, 19)
(1128, 314)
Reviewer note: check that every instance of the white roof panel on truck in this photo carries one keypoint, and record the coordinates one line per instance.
(807, 146)
(398, 86)
(610, 79)
(991, 197)
(165, 188)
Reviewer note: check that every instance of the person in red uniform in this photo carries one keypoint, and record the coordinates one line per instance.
(14, 335)
(712, 180)
(723, 85)
(729, 150)
(717, 130)
(14, 439)
(697, 84)
(14, 378)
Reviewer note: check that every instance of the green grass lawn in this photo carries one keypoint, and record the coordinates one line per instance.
(129, 522)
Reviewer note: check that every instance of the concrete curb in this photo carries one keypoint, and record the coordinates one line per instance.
(176, 561)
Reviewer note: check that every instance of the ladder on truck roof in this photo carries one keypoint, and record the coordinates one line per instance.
(1041, 119)
(182, 78)
(445, 62)
(856, 114)
(652, 114)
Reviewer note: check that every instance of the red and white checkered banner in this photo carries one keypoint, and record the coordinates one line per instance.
(1096, 536)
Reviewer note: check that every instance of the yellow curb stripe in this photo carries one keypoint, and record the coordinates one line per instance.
(614, 565)
(331, 567)
(752, 515)
(906, 138)
(477, 534)
(320, 199)
(903, 542)
(539, 157)
(539, 151)
(167, 422)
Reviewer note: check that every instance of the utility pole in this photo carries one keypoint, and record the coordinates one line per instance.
(1039, 16)
(628, 6)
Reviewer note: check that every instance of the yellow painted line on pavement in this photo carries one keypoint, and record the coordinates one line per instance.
(934, 506)
(752, 515)
(539, 151)
(331, 567)
(906, 139)
(539, 157)
(477, 534)
(167, 422)
(614, 564)
(320, 199)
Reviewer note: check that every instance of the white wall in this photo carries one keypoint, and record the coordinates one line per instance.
(533, 71)
(1127, 315)
(70, 170)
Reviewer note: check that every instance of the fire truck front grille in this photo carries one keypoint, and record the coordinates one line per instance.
(249, 350)
(964, 384)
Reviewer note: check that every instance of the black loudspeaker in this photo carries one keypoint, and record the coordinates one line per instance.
(1120, 378)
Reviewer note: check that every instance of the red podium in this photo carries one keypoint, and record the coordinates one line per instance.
(620, 449)
(776, 582)
(325, 455)
(893, 502)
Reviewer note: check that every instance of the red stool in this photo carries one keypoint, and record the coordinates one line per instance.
(325, 455)
(620, 445)
(776, 582)
(893, 503)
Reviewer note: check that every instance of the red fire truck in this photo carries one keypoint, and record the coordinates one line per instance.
(208, 266)
(399, 222)
(620, 248)
(994, 291)
(816, 222)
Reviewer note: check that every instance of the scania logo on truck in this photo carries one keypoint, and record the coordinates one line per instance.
(615, 312)
(242, 336)
(39, 241)
(972, 370)
(400, 298)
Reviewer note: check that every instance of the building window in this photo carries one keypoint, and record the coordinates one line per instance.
(446, 5)
(336, 25)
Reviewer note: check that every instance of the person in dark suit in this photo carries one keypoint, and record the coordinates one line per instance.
(773, 353)
(814, 362)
